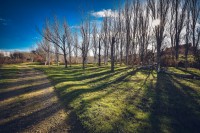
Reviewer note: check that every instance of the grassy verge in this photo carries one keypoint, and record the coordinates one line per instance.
(128, 100)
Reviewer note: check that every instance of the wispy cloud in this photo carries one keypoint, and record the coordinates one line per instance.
(3, 22)
(104, 13)
(14, 50)
(75, 27)
(35, 38)
(1, 19)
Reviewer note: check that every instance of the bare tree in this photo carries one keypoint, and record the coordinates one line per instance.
(105, 38)
(112, 34)
(172, 30)
(135, 26)
(143, 32)
(127, 15)
(56, 48)
(46, 47)
(56, 36)
(94, 41)
(179, 23)
(195, 12)
(85, 33)
(187, 36)
(120, 29)
(68, 40)
(159, 10)
(76, 44)
(112, 51)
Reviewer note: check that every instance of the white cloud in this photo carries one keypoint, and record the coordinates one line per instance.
(75, 27)
(104, 13)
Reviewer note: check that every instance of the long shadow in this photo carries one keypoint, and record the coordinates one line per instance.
(93, 75)
(190, 72)
(72, 95)
(23, 90)
(67, 98)
(116, 82)
(19, 83)
(174, 108)
(39, 111)
(10, 109)
(96, 70)
(113, 87)
(62, 78)
(8, 73)
(108, 75)
(77, 70)
(21, 123)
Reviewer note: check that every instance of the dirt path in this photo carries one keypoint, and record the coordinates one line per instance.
(28, 103)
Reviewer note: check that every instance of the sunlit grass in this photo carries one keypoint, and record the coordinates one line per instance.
(27, 96)
(105, 103)
(183, 71)
(127, 100)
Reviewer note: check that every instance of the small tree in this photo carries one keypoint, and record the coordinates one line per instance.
(85, 33)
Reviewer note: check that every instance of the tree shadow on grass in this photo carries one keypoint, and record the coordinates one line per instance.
(23, 90)
(69, 97)
(77, 76)
(173, 109)
(8, 73)
(23, 122)
(172, 105)
(103, 75)
(72, 95)
(189, 72)
(19, 113)
(19, 83)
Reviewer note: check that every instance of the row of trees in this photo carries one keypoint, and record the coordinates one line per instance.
(132, 34)
(18, 57)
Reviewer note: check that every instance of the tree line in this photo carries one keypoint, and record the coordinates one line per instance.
(134, 34)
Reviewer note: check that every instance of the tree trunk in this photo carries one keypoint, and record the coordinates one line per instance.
(112, 55)
(127, 53)
(177, 51)
(83, 63)
(176, 34)
(48, 58)
(70, 60)
(187, 40)
(158, 56)
(99, 52)
(95, 57)
(121, 52)
(65, 59)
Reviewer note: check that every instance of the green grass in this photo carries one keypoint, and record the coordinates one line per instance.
(192, 71)
(7, 73)
(128, 100)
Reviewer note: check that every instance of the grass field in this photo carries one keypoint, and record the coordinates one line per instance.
(127, 100)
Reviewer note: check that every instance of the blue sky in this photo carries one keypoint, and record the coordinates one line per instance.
(19, 18)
